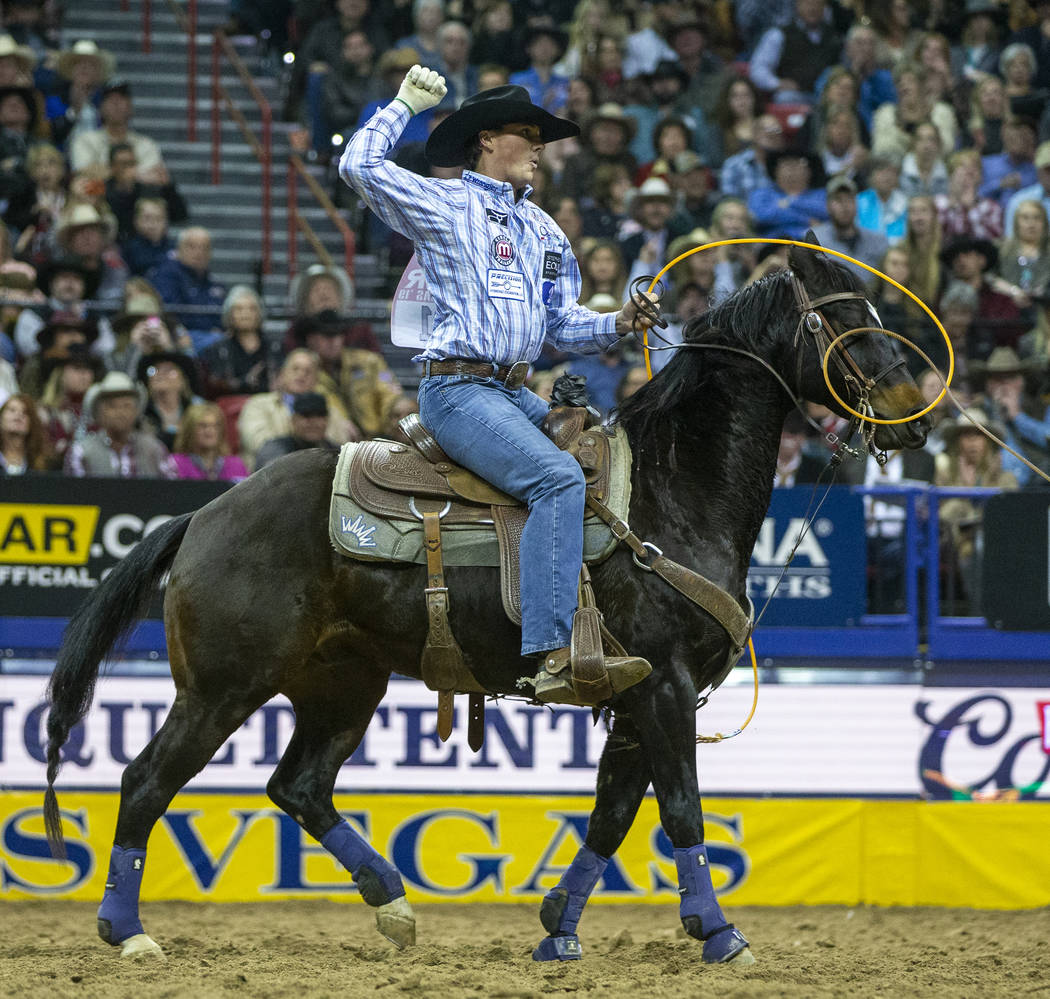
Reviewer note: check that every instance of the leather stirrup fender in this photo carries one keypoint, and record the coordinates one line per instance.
(586, 656)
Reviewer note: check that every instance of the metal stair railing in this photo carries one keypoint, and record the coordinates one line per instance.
(262, 147)
(296, 222)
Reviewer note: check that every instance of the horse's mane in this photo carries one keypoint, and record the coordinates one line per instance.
(755, 318)
(751, 318)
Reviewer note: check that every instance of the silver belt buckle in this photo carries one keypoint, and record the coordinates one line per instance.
(519, 371)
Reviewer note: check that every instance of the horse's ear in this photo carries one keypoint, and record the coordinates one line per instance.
(802, 260)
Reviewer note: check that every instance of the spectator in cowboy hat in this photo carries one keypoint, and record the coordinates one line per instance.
(89, 233)
(143, 327)
(351, 368)
(665, 95)
(604, 138)
(547, 89)
(172, 384)
(999, 321)
(90, 148)
(969, 459)
(62, 330)
(1002, 382)
(651, 209)
(118, 449)
(17, 62)
(67, 283)
(72, 106)
(67, 377)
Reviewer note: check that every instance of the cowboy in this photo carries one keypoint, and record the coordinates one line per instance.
(117, 449)
(1004, 396)
(504, 281)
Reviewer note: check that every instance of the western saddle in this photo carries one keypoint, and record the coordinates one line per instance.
(394, 480)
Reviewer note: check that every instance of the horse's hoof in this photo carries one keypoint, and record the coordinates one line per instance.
(565, 948)
(728, 944)
(397, 923)
(141, 945)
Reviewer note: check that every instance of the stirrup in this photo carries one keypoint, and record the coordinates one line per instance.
(553, 683)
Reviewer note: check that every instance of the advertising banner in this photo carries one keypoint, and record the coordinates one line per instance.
(59, 537)
(826, 583)
(856, 741)
(508, 848)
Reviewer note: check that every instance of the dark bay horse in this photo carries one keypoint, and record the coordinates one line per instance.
(258, 603)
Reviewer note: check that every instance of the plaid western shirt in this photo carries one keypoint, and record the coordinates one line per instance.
(502, 274)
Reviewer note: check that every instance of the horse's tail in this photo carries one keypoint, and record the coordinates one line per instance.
(98, 624)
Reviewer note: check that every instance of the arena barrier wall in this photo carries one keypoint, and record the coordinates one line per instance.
(820, 801)
(505, 848)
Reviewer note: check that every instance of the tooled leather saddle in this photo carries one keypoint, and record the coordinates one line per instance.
(402, 484)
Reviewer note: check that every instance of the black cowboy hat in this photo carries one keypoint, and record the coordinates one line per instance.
(964, 244)
(75, 353)
(46, 272)
(45, 337)
(669, 69)
(446, 146)
(181, 361)
(28, 97)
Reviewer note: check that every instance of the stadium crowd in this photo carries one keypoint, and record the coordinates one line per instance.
(912, 136)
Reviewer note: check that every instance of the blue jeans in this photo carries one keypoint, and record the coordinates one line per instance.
(495, 432)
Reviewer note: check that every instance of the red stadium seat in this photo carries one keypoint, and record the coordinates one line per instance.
(791, 117)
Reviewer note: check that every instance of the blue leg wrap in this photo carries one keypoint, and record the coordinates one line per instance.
(699, 909)
(563, 905)
(118, 915)
(376, 878)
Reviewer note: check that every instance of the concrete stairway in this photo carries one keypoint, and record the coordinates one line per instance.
(231, 210)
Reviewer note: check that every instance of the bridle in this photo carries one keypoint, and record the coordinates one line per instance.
(860, 385)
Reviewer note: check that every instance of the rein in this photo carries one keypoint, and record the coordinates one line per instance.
(721, 605)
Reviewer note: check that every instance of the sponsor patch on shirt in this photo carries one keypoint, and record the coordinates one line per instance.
(500, 218)
(551, 265)
(503, 251)
(506, 284)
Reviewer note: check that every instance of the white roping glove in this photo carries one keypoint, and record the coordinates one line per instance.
(422, 88)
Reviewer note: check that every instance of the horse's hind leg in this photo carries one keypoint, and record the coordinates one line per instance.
(194, 730)
(623, 778)
(330, 720)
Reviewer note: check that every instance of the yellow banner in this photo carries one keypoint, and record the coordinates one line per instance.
(42, 534)
(509, 848)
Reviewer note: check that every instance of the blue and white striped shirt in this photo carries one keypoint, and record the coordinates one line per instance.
(501, 272)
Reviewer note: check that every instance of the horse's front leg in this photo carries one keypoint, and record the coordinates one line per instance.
(665, 718)
(623, 778)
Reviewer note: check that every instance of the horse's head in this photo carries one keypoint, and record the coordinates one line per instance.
(868, 369)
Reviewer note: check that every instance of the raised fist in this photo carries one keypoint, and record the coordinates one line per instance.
(422, 88)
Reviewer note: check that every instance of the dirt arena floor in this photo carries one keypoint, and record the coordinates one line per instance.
(308, 949)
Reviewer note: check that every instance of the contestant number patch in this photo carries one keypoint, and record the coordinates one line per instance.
(503, 251)
(506, 284)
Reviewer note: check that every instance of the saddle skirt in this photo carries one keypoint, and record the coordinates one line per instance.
(382, 488)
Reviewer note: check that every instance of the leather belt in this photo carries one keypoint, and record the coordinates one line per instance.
(512, 375)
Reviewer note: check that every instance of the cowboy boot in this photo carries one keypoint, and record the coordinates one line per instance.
(554, 681)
